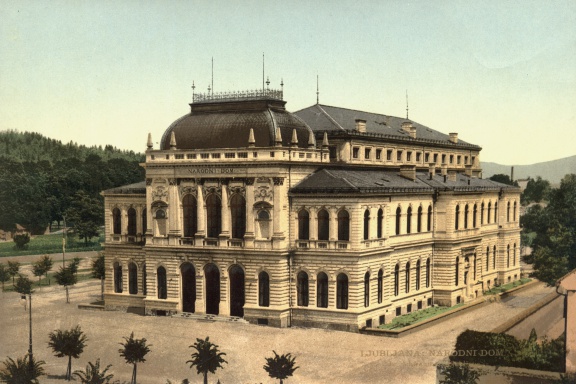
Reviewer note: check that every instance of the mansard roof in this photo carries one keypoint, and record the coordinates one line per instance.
(342, 120)
(130, 189)
(356, 180)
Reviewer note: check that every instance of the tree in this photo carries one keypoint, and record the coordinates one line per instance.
(502, 178)
(21, 240)
(69, 343)
(207, 358)
(99, 271)
(38, 269)
(459, 374)
(66, 278)
(74, 264)
(4, 274)
(21, 371)
(47, 263)
(13, 269)
(86, 214)
(536, 191)
(92, 374)
(133, 352)
(280, 366)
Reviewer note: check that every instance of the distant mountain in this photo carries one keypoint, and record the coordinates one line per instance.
(553, 171)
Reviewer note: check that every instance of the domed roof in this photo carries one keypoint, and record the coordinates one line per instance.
(226, 123)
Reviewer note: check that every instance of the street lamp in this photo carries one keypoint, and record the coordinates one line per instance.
(24, 287)
(63, 241)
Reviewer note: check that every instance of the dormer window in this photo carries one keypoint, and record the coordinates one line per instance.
(367, 153)
(355, 152)
(408, 156)
(398, 155)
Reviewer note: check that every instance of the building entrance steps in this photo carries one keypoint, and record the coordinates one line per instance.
(210, 318)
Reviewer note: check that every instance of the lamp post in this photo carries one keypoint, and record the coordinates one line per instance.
(63, 241)
(24, 287)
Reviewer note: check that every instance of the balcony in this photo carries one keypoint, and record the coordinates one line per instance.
(322, 244)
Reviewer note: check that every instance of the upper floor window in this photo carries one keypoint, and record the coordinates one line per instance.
(190, 213)
(238, 215)
(389, 155)
(398, 155)
(514, 211)
(457, 218)
(451, 159)
(322, 290)
(117, 221)
(323, 225)
(458, 159)
(418, 156)
(429, 219)
(419, 220)
(409, 220)
(426, 157)
(366, 224)
(489, 212)
(378, 154)
(213, 215)
(263, 224)
(380, 223)
(367, 153)
(355, 152)
(443, 159)
(508, 212)
(466, 217)
(398, 219)
(436, 158)
(303, 225)
(131, 222)
(343, 225)
(408, 156)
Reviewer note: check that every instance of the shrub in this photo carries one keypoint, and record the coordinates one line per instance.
(22, 240)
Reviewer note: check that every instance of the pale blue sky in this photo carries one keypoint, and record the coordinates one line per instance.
(500, 73)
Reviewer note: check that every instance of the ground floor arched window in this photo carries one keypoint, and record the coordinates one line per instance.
(132, 279)
(117, 277)
(322, 290)
(342, 291)
(263, 289)
(161, 280)
(302, 289)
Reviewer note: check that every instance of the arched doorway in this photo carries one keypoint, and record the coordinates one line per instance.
(188, 288)
(212, 277)
(236, 291)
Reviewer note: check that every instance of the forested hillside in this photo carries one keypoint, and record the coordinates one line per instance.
(41, 178)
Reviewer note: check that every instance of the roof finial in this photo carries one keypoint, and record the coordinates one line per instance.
(294, 142)
(172, 140)
(282, 88)
(209, 89)
(262, 71)
(278, 138)
(407, 105)
(311, 140)
(193, 88)
(212, 75)
(317, 91)
(251, 141)
(149, 144)
(267, 82)
(325, 140)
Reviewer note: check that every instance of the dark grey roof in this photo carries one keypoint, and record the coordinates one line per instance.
(333, 119)
(226, 124)
(130, 189)
(356, 180)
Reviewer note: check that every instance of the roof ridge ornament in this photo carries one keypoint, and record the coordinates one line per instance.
(311, 140)
(172, 140)
(149, 144)
(278, 138)
(325, 139)
(251, 141)
(294, 141)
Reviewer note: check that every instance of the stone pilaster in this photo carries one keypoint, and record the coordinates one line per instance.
(200, 215)
(249, 235)
(225, 214)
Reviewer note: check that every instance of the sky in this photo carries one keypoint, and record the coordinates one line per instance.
(500, 73)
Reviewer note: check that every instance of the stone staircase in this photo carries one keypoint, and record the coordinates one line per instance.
(210, 318)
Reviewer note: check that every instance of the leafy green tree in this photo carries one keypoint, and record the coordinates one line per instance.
(66, 278)
(38, 269)
(69, 343)
(99, 271)
(21, 240)
(4, 275)
(280, 366)
(21, 371)
(47, 263)
(537, 190)
(74, 264)
(459, 374)
(502, 178)
(93, 375)
(23, 285)
(13, 269)
(134, 351)
(86, 213)
(207, 358)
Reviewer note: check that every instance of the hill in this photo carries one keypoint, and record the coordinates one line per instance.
(553, 171)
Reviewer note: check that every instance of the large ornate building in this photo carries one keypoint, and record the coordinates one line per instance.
(326, 217)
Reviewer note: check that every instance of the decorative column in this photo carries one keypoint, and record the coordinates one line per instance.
(277, 222)
(200, 215)
(149, 230)
(313, 223)
(333, 224)
(174, 232)
(225, 213)
(249, 235)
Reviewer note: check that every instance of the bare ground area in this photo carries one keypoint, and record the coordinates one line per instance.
(323, 356)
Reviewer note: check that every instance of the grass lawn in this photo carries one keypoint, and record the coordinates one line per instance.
(417, 316)
(83, 274)
(46, 244)
(505, 287)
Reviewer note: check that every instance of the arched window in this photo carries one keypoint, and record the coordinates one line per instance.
(322, 290)
(419, 220)
(409, 220)
(482, 214)
(398, 219)
(380, 223)
(380, 285)
(428, 273)
(342, 291)
(508, 212)
(508, 256)
(474, 216)
(213, 215)
(396, 280)
(302, 289)
(132, 279)
(466, 216)
(366, 224)
(144, 291)
(303, 225)
(343, 225)
(238, 213)
(474, 273)
(161, 280)
(429, 219)
(494, 258)
(367, 289)
(263, 289)
(117, 221)
(496, 212)
(514, 212)
(118, 278)
(263, 224)
(487, 258)
(407, 281)
(489, 212)
(514, 255)
(323, 225)
(144, 221)
(457, 274)
(418, 275)
(131, 222)
(190, 210)
(457, 217)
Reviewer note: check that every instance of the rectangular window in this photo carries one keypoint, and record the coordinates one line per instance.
(458, 159)
(426, 157)
(451, 159)
(382, 319)
(332, 152)
(355, 152)
(443, 159)
(409, 308)
(465, 159)
(230, 155)
(473, 159)
(369, 323)
(215, 155)
(242, 155)
(191, 156)
(389, 155)
(398, 311)
(179, 157)
(408, 156)
(254, 154)
(204, 155)
(436, 158)
(420, 304)
(271, 154)
(418, 156)
(398, 155)
(367, 153)
(378, 154)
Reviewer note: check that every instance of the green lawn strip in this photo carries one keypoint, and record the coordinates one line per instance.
(417, 316)
(8, 287)
(508, 286)
(46, 244)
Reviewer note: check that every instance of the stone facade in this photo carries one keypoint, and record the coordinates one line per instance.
(349, 229)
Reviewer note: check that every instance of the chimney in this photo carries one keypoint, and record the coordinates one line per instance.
(360, 125)
(409, 128)
(408, 171)
(512, 174)
(468, 170)
(453, 137)
(452, 175)
(431, 170)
